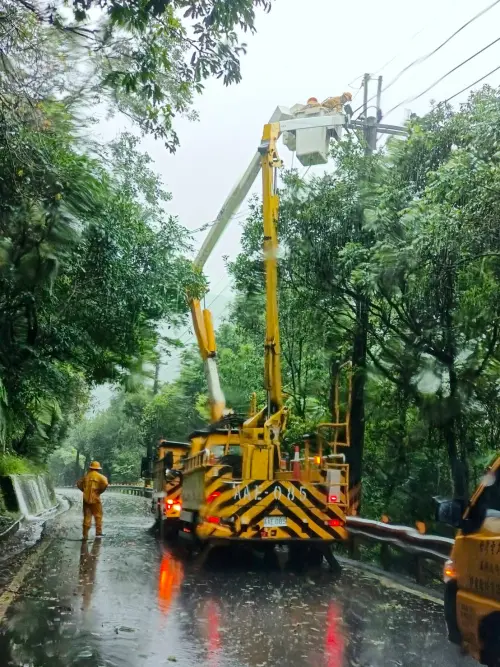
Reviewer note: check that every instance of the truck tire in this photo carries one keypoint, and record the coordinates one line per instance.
(450, 612)
(489, 633)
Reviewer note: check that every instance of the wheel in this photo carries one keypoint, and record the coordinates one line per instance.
(297, 555)
(270, 559)
(489, 633)
(170, 528)
(315, 556)
(450, 612)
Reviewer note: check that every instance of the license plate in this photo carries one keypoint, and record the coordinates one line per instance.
(273, 521)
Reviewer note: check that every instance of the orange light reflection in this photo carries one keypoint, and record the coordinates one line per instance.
(169, 582)
(334, 639)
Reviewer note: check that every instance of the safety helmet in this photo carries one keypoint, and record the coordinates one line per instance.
(95, 465)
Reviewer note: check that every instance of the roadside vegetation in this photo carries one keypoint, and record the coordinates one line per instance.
(90, 259)
(393, 264)
(390, 262)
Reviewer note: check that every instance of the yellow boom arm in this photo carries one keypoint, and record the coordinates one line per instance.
(270, 163)
(266, 158)
(204, 330)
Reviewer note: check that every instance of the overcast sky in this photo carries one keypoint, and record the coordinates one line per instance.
(307, 48)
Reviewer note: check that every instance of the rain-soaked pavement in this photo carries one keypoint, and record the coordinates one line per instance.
(128, 601)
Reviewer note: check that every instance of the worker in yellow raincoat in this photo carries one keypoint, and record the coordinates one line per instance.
(92, 485)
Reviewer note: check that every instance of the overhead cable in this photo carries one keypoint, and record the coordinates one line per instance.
(471, 85)
(454, 69)
(423, 59)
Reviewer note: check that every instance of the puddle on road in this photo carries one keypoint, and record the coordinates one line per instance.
(129, 602)
(14, 550)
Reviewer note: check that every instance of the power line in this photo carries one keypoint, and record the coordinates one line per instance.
(207, 225)
(218, 295)
(379, 70)
(464, 62)
(473, 84)
(423, 59)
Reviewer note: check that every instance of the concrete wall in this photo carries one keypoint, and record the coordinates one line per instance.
(29, 495)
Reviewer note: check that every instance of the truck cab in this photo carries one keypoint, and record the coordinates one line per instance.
(472, 574)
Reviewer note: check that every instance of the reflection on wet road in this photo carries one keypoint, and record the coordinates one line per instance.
(130, 602)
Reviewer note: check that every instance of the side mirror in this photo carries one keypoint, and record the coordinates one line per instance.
(168, 461)
(146, 468)
(450, 512)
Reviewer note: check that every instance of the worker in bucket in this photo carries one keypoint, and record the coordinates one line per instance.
(93, 484)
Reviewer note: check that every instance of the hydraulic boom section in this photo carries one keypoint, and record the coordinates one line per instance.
(204, 330)
(270, 204)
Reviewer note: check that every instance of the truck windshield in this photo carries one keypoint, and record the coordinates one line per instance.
(490, 497)
(219, 450)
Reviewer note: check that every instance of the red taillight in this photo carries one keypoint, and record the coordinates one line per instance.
(335, 523)
(213, 519)
(169, 502)
(264, 533)
(213, 496)
(177, 507)
(332, 499)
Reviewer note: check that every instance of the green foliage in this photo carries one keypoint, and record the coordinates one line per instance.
(145, 59)
(397, 253)
(90, 262)
(90, 259)
(15, 465)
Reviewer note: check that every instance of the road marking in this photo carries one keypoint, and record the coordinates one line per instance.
(8, 596)
(391, 583)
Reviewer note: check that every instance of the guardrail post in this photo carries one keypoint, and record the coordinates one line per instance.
(385, 556)
(354, 552)
(419, 569)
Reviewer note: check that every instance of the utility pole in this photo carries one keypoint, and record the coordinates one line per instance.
(156, 384)
(148, 461)
(370, 126)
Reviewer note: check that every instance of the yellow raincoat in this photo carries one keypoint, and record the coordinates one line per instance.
(92, 485)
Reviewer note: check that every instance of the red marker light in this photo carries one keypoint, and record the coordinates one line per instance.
(335, 523)
(332, 499)
(213, 496)
(213, 519)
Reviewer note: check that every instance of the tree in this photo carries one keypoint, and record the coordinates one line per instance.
(147, 58)
(90, 260)
(323, 305)
(436, 269)
(395, 259)
(88, 268)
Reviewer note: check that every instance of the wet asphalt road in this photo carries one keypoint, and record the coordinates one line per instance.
(129, 602)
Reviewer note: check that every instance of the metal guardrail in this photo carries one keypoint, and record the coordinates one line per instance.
(146, 492)
(130, 489)
(422, 547)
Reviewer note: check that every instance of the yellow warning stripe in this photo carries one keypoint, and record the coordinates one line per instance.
(306, 517)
